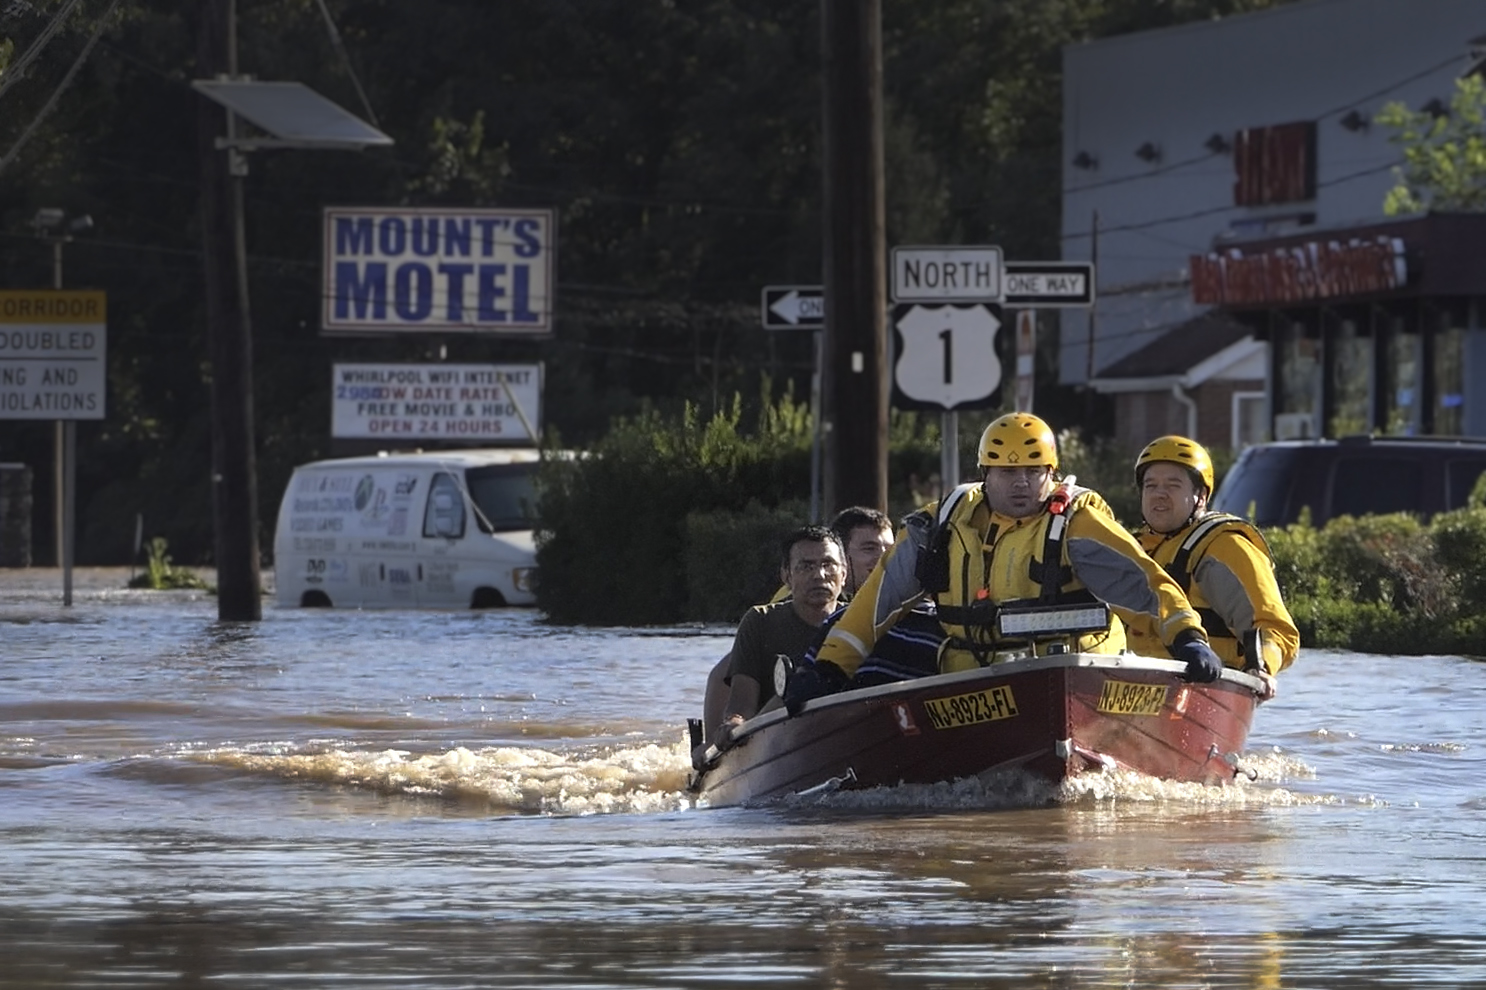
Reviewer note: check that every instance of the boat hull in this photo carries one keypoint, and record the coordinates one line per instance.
(1050, 717)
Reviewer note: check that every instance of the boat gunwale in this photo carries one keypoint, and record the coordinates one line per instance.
(1009, 668)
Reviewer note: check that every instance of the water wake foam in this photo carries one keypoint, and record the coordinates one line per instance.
(506, 779)
(650, 777)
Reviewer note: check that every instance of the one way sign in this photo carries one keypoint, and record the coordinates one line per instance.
(794, 307)
(1049, 284)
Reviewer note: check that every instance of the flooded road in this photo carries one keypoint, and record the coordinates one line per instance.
(476, 799)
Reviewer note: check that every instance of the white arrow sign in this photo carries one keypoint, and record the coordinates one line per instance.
(948, 355)
(794, 307)
(787, 307)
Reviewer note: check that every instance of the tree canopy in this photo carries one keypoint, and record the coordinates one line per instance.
(1444, 153)
(677, 141)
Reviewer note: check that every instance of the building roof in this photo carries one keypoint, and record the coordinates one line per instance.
(1187, 354)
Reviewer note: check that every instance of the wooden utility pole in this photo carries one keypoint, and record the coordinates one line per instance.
(229, 331)
(854, 384)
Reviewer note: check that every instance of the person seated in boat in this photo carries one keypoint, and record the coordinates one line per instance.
(1020, 537)
(813, 568)
(1222, 562)
(865, 535)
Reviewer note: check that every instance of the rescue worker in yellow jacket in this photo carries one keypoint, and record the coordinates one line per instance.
(1221, 561)
(1018, 538)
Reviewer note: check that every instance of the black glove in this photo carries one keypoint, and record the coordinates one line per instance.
(1203, 665)
(812, 681)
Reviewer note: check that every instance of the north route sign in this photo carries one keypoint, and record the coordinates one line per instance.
(438, 270)
(794, 307)
(946, 274)
(1049, 284)
(949, 357)
(53, 354)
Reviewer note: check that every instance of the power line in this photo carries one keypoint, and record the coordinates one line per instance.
(1173, 166)
(1209, 211)
(57, 93)
(340, 48)
(17, 71)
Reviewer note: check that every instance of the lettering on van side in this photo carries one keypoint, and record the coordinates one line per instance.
(324, 483)
(323, 503)
(438, 576)
(314, 544)
(311, 524)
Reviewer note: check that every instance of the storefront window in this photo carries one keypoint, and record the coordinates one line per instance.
(1449, 381)
(1404, 367)
(1351, 382)
(1297, 411)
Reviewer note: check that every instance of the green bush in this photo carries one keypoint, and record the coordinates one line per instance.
(1386, 584)
(748, 541)
(1460, 547)
(161, 574)
(612, 542)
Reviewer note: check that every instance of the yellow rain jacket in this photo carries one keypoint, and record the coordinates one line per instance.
(1223, 564)
(997, 560)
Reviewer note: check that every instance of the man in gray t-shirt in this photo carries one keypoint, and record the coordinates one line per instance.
(813, 565)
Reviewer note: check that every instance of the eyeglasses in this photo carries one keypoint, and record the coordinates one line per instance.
(829, 565)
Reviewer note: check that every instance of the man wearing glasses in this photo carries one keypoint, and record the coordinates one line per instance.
(813, 566)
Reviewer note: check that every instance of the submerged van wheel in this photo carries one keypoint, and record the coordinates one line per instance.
(314, 599)
(487, 598)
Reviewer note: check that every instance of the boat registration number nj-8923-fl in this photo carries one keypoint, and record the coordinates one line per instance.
(969, 709)
(1128, 698)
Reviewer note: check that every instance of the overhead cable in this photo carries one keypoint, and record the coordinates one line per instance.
(340, 47)
(17, 71)
(57, 93)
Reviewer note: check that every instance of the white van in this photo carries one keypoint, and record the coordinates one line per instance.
(446, 529)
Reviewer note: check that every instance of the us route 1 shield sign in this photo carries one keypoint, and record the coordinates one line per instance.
(794, 307)
(949, 357)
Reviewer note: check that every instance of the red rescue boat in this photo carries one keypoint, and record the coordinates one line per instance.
(1052, 717)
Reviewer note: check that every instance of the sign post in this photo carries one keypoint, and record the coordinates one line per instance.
(802, 307)
(53, 366)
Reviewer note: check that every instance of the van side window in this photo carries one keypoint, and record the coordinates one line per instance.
(1362, 485)
(505, 494)
(444, 516)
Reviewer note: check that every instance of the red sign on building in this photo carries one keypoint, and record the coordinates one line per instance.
(1312, 270)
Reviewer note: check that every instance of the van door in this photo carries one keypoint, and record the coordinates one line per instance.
(445, 520)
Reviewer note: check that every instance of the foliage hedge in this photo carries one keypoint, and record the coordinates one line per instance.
(1387, 584)
(671, 520)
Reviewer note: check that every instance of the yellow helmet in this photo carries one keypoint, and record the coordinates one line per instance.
(1018, 440)
(1177, 450)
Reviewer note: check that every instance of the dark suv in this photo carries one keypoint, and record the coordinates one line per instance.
(1352, 476)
